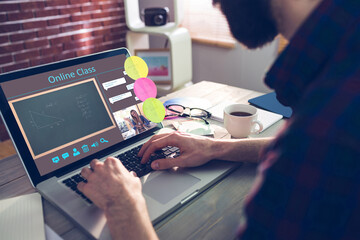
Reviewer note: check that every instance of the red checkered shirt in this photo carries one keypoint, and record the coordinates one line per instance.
(308, 183)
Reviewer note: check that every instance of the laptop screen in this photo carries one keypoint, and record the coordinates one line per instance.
(70, 113)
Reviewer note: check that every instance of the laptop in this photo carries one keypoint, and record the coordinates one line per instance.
(62, 115)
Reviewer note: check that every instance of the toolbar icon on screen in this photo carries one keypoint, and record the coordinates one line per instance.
(85, 148)
(65, 155)
(56, 159)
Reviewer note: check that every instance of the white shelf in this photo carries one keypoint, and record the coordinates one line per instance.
(179, 43)
(134, 22)
(140, 27)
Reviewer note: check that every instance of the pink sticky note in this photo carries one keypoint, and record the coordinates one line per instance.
(145, 88)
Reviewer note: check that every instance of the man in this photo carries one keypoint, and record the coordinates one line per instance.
(308, 183)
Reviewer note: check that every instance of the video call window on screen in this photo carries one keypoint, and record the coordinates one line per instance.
(131, 121)
(53, 119)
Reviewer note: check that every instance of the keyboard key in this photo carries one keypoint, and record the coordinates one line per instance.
(167, 152)
(67, 181)
(174, 149)
(78, 178)
(72, 183)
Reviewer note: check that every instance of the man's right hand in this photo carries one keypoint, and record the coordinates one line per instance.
(194, 150)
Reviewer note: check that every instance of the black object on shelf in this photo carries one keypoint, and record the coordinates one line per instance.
(156, 16)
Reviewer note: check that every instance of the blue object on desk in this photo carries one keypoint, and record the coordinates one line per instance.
(269, 102)
(191, 102)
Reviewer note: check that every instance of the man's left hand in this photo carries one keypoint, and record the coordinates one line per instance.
(115, 190)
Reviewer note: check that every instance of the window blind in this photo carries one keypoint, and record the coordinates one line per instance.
(207, 24)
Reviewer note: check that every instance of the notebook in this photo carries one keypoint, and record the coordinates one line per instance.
(269, 102)
(22, 217)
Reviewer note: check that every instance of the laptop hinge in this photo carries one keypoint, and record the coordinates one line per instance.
(188, 198)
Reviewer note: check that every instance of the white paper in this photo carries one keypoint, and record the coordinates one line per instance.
(21, 218)
(265, 117)
(217, 111)
(197, 127)
(268, 118)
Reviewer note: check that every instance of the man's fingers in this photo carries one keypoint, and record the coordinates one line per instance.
(115, 163)
(94, 164)
(155, 145)
(148, 143)
(81, 186)
(85, 172)
(133, 173)
(87, 191)
(162, 164)
(111, 161)
(169, 140)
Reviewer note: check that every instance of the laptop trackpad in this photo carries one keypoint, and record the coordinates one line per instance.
(168, 185)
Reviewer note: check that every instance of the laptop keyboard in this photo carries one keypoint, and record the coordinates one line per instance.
(132, 163)
(72, 183)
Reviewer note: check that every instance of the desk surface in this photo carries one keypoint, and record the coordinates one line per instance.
(215, 214)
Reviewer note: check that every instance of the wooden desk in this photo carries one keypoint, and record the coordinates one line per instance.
(215, 214)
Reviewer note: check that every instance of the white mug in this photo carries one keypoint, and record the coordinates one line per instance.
(240, 120)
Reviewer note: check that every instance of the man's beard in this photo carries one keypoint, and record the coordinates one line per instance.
(251, 21)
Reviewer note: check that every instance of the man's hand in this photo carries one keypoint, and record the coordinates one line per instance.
(194, 150)
(118, 192)
(197, 150)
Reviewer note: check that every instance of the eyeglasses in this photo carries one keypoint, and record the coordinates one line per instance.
(177, 110)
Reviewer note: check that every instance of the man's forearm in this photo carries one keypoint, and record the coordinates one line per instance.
(240, 150)
(130, 223)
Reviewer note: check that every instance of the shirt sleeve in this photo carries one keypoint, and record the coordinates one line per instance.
(308, 183)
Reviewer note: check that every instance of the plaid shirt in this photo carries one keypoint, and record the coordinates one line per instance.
(308, 184)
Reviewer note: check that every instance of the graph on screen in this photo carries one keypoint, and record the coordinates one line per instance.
(61, 116)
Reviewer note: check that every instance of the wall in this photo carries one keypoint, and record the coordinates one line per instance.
(36, 32)
(238, 67)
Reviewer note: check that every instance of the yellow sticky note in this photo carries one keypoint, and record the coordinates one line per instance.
(136, 67)
(154, 110)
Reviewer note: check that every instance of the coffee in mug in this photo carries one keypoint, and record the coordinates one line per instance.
(240, 114)
(240, 120)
